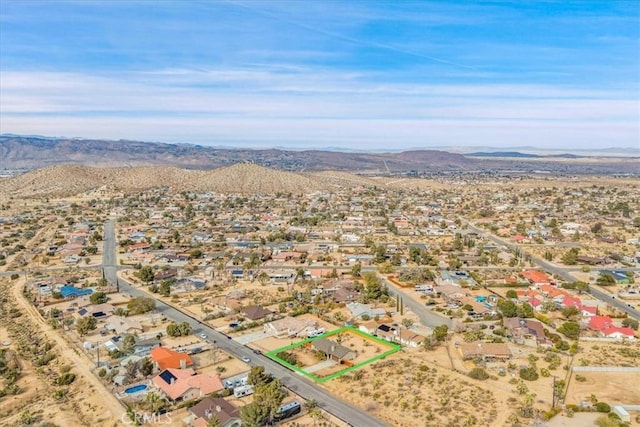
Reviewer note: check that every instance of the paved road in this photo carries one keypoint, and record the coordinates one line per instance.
(426, 316)
(565, 273)
(296, 383)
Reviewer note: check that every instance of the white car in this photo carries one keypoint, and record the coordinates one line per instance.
(203, 336)
(245, 359)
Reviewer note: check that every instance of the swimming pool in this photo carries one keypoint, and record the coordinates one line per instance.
(136, 389)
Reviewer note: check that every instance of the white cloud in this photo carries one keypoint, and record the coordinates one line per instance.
(303, 106)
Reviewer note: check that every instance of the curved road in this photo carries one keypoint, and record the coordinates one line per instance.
(298, 384)
(565, 273)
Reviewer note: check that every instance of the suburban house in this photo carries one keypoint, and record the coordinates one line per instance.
(526, 331)
(289, 327)
(256, 312)
(165, 358)
(358, 310)
(165, 274)
(333, 350)
(123, 325)
(98, 311)
(227, 414)
(536, 278)
(484, 350)
(184, 384)
(608, 329)
(369, 327)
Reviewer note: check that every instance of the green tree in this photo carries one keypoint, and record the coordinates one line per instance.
(606, 279)
(356, 270)
(374, 289)
(257, 376)
(195, 253)
(571, 257)
(145, 274)
(153, 402)
(512, 294)
(178, 329)
(525, 310)
(165, 288)
(146, 367)
(254, 414)
(630, 323)
(98, 298)
(570, 312)
(86, 324)
(440, 332)
(570, 330)
(507, 308)
(128, 344)
(140, 305)
(270, 395)
(529, 373)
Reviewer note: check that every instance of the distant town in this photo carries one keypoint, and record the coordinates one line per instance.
(475, 300)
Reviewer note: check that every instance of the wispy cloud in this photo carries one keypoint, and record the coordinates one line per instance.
(323, 73)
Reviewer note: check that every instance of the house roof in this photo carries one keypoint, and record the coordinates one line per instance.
(535, 276)
(176, 382)
(122, 324)
(292, 325)
(167, 358)
(532, 327)
(215, 407)
(617, 330)
(485, 349)
(332, 348)
(256, 312)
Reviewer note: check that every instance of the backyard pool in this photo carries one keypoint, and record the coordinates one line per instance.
(136, 389)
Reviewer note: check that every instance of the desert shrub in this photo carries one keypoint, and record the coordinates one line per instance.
(529, 374)
(602, 407)
(478, 374)
(580, 378)
(66, 379)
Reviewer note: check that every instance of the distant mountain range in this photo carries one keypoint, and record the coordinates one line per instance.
(519, 155)
(32, 152)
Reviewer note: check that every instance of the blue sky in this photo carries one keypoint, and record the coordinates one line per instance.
(353, 74)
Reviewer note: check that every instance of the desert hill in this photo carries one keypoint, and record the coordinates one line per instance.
(241, 178)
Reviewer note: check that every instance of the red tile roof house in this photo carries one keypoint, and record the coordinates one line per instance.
(184, 384)
(536, 277)
(608, 329)
(165, 358)
(225, 412)
(138, 247)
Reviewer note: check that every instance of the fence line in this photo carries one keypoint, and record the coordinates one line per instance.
(606, 368)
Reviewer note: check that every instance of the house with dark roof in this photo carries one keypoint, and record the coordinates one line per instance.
(526, 331)
(333, 350)
(227, 414)
(99, 311)
(256, 312)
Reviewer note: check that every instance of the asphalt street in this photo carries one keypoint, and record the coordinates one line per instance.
(295, 382)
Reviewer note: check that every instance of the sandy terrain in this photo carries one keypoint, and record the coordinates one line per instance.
(86, 402)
